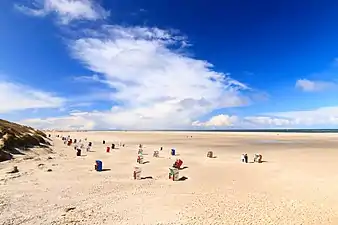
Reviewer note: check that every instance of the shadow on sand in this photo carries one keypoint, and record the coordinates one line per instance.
(183, 178)
(105, 170)
(184, 167)
(146, 162)
(144, 178)
(263, 161)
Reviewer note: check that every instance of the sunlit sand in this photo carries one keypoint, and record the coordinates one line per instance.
(296, 183)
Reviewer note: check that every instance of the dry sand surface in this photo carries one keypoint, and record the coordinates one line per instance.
(296, 184)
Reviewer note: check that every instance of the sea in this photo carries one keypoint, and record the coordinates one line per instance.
(247, 130)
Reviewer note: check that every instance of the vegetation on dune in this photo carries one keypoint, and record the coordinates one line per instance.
(14, 136)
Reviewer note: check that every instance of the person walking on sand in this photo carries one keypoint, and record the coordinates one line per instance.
(246, 158)
(243, 158)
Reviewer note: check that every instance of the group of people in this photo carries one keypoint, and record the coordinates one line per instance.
(244, 158)
(257, 158)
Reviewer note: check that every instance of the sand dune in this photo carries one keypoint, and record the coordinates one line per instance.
(295, 184)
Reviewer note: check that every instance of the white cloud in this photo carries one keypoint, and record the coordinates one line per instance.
(315, 86)
(155, 86)
(221, 120)
(19, 97)
(71, 122)
(93, 78)
(227, 121)
(321, 117)
(66, 10)
(267, 121)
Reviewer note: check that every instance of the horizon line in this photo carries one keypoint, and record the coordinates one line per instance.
(286, 130)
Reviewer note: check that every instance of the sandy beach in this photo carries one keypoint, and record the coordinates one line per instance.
(295, 184)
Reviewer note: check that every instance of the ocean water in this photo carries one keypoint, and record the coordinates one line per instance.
(275, 130)
(247, 130)
(266, 130)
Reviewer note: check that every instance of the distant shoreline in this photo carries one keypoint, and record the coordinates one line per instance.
(230, 131)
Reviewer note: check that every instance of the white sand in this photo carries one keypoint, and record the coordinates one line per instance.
(298, 183)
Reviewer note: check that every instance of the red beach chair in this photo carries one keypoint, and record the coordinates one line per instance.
(178, 164)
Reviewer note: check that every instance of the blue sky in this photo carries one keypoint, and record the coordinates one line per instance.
(146, 64)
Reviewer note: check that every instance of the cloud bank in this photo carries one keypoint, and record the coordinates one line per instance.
(300, 119)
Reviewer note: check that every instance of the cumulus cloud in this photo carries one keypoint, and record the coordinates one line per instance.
(221, 120)
(66, 10)
(20, 97)
(315, 85)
